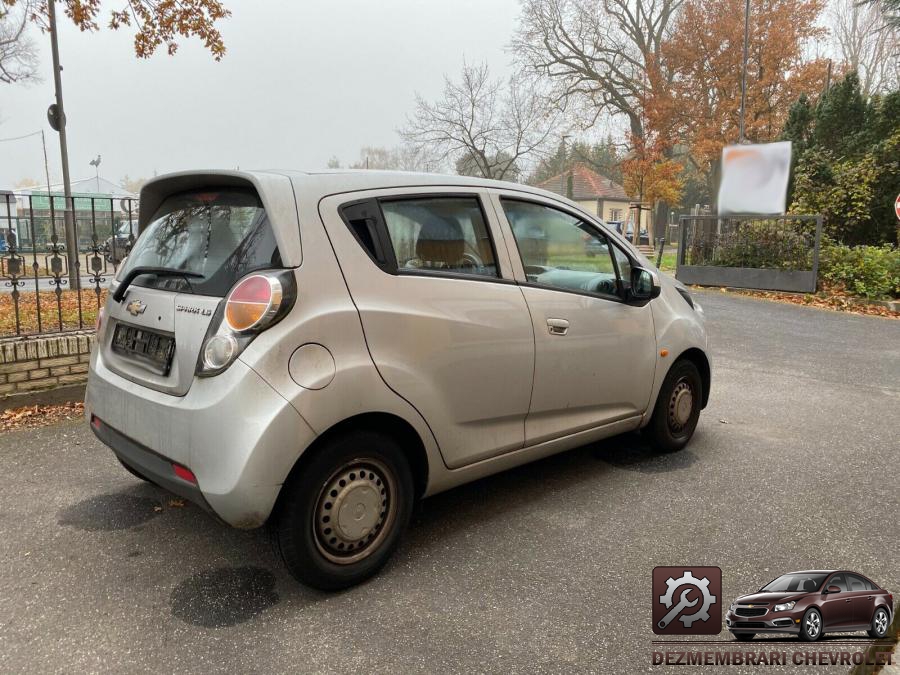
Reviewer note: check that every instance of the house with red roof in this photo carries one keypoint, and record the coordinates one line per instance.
(596, 194)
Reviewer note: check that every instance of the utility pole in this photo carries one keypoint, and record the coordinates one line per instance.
(69, 213)
(562, 175)
(742, 138)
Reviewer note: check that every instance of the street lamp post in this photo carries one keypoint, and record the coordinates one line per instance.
(69, 214)
(742, 138)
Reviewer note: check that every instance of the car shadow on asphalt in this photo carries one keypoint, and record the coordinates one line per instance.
(227, 595)
(499, 495)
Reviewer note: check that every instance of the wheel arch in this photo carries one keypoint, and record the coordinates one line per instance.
(386, 423)
(701, 361)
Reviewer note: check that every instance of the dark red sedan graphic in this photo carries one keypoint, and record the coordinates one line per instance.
(812, 603)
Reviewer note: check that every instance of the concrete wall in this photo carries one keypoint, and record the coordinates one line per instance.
(33, 364)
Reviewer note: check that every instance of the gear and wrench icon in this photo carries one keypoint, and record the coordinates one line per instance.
(701, 584)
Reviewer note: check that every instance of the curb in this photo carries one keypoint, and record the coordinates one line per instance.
(68, 394)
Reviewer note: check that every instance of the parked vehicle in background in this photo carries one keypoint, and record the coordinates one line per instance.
(810, 603)
(116, 247)
(628, 233)
(317, 351)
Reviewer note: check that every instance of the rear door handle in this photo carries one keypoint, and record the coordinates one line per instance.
(558, 326)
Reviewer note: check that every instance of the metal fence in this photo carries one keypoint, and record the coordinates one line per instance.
(44, 289)
(769, 253)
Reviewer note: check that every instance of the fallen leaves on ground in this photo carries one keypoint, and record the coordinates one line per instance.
(829, 298)
(31, 416)
(54, 316)
(176, 503)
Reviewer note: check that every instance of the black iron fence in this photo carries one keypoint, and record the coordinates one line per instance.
(44, 287)
(765, 252)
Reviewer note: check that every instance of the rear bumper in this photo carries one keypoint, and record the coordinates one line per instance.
(149, 464)
(237, 435)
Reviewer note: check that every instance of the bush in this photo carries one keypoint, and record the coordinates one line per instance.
(869, 271)
(764, 243)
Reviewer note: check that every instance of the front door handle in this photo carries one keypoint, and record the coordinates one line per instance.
(558, 326)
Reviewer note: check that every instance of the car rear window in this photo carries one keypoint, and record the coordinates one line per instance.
(221, 234)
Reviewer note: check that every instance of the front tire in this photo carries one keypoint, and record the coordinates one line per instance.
(343, 512)
(811, 628)
(744, 637)
(677, 408)
(879, 623)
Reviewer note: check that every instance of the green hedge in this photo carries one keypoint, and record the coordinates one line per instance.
(869, 271)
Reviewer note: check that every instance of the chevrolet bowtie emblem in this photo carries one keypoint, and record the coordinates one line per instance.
(135, 307)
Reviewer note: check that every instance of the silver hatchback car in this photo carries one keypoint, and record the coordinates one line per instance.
(316, 351)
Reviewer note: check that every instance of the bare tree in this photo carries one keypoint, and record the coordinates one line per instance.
(867, 43)
(603, 54)
(492, 128)
(404, 157)
(18, 55)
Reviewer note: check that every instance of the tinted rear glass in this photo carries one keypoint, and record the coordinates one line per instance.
(222, 234)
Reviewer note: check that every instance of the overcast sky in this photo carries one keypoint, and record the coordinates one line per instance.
(302, 81)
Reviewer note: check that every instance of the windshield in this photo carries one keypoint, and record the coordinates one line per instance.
(220, 234)
(803, 583)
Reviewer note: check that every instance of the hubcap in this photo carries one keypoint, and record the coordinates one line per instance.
(812, 625)
(355, 510)
(681, 405)
(881, 622)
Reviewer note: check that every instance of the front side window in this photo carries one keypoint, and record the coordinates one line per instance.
(440, 234)
(838, 580)
(561, 250)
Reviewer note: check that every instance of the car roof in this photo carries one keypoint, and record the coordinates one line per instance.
(815, 572)
(334, 181)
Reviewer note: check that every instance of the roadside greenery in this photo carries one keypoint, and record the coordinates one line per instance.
(872, 272)
(847, 162)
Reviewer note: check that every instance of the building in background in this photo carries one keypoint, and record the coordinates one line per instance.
(596, 194)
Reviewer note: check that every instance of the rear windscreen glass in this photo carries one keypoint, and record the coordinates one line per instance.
(221, 234)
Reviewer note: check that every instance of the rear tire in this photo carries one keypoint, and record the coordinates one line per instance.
(677, 408)
(343, 512)
(880, 623)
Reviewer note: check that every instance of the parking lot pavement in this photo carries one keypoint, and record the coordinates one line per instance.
(543, 568)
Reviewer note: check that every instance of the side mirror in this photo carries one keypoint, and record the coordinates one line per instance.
(833, 589)
(644, 284)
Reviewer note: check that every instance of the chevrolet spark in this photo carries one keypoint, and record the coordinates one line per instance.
(315, 351)
(809, 603)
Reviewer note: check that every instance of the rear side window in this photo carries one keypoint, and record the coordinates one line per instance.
(221, 234)
(441, 234)
(425, 235)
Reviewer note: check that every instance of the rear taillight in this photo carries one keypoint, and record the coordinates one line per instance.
(255, 303)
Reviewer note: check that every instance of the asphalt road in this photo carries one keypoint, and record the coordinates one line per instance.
(544, 568)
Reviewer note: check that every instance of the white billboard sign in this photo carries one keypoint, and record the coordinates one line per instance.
(755, 179)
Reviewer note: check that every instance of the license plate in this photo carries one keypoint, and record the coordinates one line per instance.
(153, 350)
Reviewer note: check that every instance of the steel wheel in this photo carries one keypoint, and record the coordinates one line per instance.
(355, 509)
(681, 405)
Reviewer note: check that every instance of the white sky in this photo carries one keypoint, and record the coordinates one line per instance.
(302, 80)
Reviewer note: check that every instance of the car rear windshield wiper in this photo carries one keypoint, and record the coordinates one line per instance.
(158, 271)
